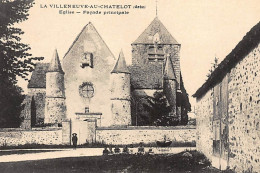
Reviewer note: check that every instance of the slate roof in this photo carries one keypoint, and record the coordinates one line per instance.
(120, 66)
(149, 76)
(169, 73)
(38, 78)
(156, 26)
(243, 48)
(55, 65)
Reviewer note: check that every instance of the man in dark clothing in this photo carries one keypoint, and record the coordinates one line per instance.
(74, 140)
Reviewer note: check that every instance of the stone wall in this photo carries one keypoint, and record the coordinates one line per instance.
(38, 95)
(55, 110)
(244, 113)
(243, 116)
(204, 117)
(140, 57)
(120, 99)
(14, 137)
(135, 135)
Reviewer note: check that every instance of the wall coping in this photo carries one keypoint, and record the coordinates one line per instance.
(147, 127)
(30, 130)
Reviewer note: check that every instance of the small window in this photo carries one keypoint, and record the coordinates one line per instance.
(87, 60)
(86, 109)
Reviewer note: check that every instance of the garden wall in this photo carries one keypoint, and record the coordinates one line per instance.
(17, 136)
(137, 134)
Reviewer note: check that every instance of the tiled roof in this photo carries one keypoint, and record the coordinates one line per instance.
(120, 66)
(243, 48)
(38, 78)
(147, 77)
(156, 26)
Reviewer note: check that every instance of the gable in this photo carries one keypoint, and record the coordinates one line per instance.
(89, 41)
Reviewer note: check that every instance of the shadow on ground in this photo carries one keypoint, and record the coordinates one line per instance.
(184, 162)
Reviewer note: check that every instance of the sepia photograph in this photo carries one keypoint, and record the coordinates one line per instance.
(130, 86)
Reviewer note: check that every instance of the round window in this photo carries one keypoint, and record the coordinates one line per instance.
(86, 90)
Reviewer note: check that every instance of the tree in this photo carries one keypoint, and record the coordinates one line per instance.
(15, 60)
(159, 110)
(213, 67)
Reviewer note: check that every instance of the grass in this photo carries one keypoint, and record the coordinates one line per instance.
(93, 145)
(179, 163)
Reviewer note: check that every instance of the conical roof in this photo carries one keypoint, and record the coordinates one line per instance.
(154, 31)
(120, 66)
(55, 65)
(169, 73)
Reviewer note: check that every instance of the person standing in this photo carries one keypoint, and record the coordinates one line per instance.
(74, 140)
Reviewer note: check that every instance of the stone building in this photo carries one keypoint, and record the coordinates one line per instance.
(228, 106)
(156, 67)
(90, 85)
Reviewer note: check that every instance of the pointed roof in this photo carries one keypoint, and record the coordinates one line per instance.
(169, 70)
(55, 65)
(156, 27)
(88, 28)
(120, 66)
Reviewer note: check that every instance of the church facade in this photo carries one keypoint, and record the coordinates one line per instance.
(90, 84)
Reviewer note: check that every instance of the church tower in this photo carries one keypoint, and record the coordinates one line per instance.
(55, 108)
(154, 52)
(120, 93)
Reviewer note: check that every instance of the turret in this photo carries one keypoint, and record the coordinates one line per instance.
(120, 93)
(55, 108)
(170, 84)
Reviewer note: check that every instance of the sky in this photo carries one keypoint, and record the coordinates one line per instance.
(205, 29)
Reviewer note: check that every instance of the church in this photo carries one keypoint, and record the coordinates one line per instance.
(90, 84)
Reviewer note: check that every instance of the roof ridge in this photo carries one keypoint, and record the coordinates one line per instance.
(241, 50)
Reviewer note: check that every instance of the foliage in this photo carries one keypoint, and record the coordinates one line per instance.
(10, 105)
(159, 111)
(213, 67)
(15, 60)
(184, 103)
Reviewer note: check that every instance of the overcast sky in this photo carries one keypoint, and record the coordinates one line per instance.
(204, 28)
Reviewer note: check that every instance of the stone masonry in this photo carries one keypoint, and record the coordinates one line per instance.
(243, 101)
(244, 113)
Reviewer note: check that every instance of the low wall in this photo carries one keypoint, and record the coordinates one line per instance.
(14, 137)
(135, 135)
